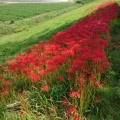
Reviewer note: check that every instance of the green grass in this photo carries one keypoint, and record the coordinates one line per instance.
(14, 12)
(11, 45)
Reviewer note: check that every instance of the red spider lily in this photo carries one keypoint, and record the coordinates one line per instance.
(118, 46)
(70, 70)
(2, 68)
(74, 94)
(98, 99)
(112, 44)
(105, 65)
(78, 64)
(61, 78)
(43, 72)
(34, 78)
(77, 118)
(59, 60)
(45, 88)
(7, 83)
(99, 70)
(91, 78)
(100, 85)
(75, 104)
(1, 77)
(27, 70)
(71, 111)
(20, 89)
(25, 95)
(81, 80)
(65, 103)
(70, 78)
(68, 53)
(52, 68)
(4, 91)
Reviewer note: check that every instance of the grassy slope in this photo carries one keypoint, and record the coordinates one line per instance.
(14, 44)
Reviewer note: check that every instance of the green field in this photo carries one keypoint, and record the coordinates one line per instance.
(13, 12)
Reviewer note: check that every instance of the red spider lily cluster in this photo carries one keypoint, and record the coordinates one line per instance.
(76, 55)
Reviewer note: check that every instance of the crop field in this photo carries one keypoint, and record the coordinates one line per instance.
(14, 12)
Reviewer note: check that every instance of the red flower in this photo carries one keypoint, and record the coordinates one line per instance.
(76, 104)
(70, 78)
(105, 65)
(20, 89)
(98, 100)
(34, 78)
(100, 85)
(65, 103)
(74, 94)
(71, 111)
(112, 44)
(70, 70)
(43, 72)
(5, 91)
(2, 68)
(77, 118)
(27, 70)
(52, 68)
(45, 88)
(61, 78)
(7, 83)
(81, 80)
(118, 46)
(25, 95)
(1, 77)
